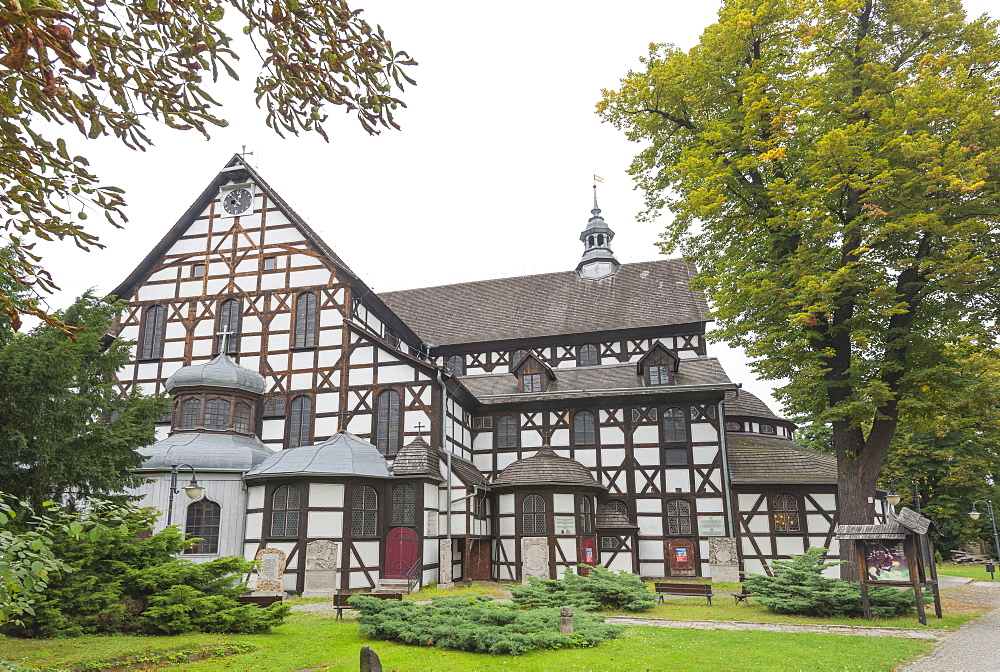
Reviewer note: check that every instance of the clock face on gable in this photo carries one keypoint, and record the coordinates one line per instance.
(237, 201)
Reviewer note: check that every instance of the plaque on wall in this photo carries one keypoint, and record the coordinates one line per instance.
(711, 526)
(565, 524)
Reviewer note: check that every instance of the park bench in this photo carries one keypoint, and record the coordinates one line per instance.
(340, 600)
(685, 589)
(259, 600)
(741, 596)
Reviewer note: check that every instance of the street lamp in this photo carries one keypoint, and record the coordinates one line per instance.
(974, 514)
(192, 489)
(893, 497)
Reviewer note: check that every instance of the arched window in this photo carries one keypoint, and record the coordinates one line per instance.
(584, 432)
(217, 413)
(274, 406)
(203, 523)
(190, 413)
(674, 425)
(618, 506)
(507, 431)
(516, 357)
(403, 505)
(533, 515)
(305, 320)
(229, 321)
(241, 418)
(786, 513)
(300, 422)
(586, 516)
(678, 516)
(364, 512)
(456, 365)
(387, 422)
(285, 512)
(151, 343)
(589, 355)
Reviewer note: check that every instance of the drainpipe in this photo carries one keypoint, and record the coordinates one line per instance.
(444, 447)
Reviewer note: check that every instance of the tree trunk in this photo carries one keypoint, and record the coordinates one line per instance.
(857, 472)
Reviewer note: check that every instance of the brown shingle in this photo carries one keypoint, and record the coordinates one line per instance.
(610, 518)
(465, 470)
(646, 294)
(748, 405)
(546, 467)
(767, 459)
(416, 459)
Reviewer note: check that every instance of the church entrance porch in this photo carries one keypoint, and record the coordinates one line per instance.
(401, 552)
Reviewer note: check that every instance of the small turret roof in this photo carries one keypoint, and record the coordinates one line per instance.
(416, 459)
(545, 467)
(343, 454)
(220, 372)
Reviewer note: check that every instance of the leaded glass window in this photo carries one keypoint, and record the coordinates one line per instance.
(617, 506)
(531, 382)
(241, 418)
(659, 374)
(190, 413)
(217, 413)
(274, 406)
(305, 320)
(507, 431)
(584, 430)
(387, 422)
(285, 511)
(516, 357)
(364, 512)
(152, 333)
(533, 515)
(589, 355)
(300, 422)
(229, 321)
(678, 516)
(786, 513)
(456, 365)
(586, 516)
(403, 505)
(674, 425)
(203, 519)
(675, 456)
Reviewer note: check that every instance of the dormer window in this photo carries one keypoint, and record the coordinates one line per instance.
(533, 375)
(531, 382)
(658, 366)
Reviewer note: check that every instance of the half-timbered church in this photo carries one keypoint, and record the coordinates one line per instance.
(498, 429)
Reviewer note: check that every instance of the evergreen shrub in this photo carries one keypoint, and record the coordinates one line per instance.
(602, 588)
(475, 623)
(129, 581)
(799, 587)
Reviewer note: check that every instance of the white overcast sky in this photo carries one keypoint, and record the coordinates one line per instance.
(490, 176)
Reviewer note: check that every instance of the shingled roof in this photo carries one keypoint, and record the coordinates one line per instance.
(465, 470)
(767, 459)
(416, 458)
(612, 519)
(645, 294)
(574, 381)
(746, 404)
(545, 467)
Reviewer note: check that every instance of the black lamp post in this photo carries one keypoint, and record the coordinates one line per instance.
(893, 497)
(192, 489)
(974, 514)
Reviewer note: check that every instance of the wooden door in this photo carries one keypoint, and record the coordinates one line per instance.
(401, 552)
(477, 561)
(680, 553)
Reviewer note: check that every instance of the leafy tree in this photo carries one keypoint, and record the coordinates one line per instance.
(66, 430)
(832, 168)
(813, 435)
(112, 67)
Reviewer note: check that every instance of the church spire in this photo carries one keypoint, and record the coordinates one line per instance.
(598, 260)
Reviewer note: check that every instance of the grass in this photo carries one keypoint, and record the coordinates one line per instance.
(430, 591)
(317, 641)
(977, 572)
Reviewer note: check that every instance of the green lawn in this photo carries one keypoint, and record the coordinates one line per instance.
(319, 642)
(977, 572)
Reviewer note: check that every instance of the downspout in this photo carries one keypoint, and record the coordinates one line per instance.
(444, 447)
(727, 485)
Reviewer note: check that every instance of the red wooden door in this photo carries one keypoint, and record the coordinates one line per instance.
(588, 551)
(478, 560)
(401, 552)
(681, 555)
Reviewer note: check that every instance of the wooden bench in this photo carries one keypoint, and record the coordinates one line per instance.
(741, 596)
(259, 600)
(340, 600)
(686, 589)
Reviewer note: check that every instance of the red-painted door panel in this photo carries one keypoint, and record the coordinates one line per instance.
(402, 551)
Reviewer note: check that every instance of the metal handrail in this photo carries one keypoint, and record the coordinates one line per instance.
(413, 577)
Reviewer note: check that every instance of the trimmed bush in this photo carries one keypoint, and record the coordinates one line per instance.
(600, 589)
(475, 623)
(799, 587)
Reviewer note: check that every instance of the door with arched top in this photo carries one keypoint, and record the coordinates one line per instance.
(401, 552)
(680, 554)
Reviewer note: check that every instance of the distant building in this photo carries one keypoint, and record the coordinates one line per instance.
(484, 430)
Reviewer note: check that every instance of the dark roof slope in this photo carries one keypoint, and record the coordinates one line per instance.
(767, 459)
(646, 294)
(701, 371)
(546, 467)
(416, 459)
(465, 470)
(748, 405)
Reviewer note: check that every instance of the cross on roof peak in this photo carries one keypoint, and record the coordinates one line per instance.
(225, 333)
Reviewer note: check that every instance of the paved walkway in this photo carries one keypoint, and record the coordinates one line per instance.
(852, 630)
